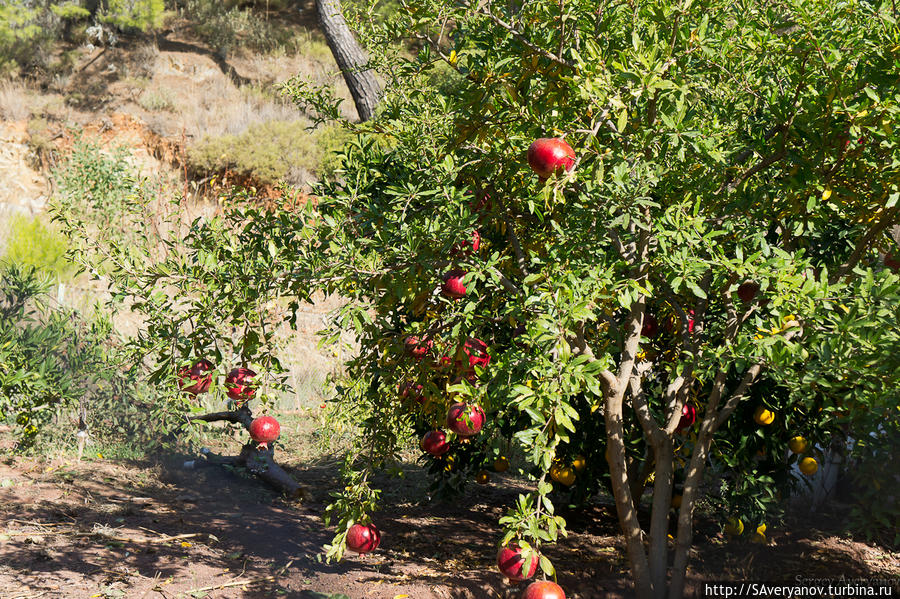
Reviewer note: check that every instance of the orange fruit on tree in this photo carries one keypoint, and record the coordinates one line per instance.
(579, 463)
(564, 475)
(763, 417)
(676, 501)
(809, 466)
(483, 477)
(798, 444)
(501, 464)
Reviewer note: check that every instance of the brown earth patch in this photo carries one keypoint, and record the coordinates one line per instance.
(152, 529)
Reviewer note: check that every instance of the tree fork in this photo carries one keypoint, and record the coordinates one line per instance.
(258, 459)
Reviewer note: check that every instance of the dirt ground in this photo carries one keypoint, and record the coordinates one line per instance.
(104, 529)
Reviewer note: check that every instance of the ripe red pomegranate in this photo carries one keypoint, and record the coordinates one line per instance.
(412, 391)
(467, 247)
(239, 383)
(196, 379)
(465, 419)
(747, 291)
(651, 326)
(452, 286)
(476, 351)
(892, 262)
(688, 417)
(435, 443)
(476, 355)
(544, 589)
(264, 429)
(363, 538)
(510, 562)
(547, 156)
(416, 347)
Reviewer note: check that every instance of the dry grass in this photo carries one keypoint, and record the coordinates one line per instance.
(210, 104)
(309, 365)
(15, 101)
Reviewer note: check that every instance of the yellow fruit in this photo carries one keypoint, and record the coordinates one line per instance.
(809, 466)
(734, 527)
(826, 194)
(763, 417)
(758, 537)
(761, 529)
(483, 477)
(676, 501)
(501, 464)
(798, 444)
(579, 463)
(563, 474)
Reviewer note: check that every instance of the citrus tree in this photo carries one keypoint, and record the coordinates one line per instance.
(644, 243)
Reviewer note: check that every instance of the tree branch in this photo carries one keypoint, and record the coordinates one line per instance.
(519, 36)
(651, 428)
(240, 416)
(863, 244)
(506, 283)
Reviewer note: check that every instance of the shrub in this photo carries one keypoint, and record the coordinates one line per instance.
(96, 183)
(140, 15)
(227, 29)
(29, 28)
(33, 243)
(269, 151)
(157, 100)
(40, 139)
(51, 358)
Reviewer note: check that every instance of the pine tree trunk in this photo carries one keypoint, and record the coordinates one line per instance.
(351, 58)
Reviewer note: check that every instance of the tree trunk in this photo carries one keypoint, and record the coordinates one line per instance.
(659, 515)
(625, 504)
(685, 534)
(351, 58)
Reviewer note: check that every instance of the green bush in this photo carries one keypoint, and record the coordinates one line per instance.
(33, 243)
(51, 358)
(141, 15)
(95, 184)
(228, 28)
(271, 151)
(156, 100)
(30, 28)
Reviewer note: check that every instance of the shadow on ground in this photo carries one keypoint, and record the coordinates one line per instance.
(99, 527)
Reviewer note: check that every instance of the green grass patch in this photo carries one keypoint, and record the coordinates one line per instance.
(34, 243)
